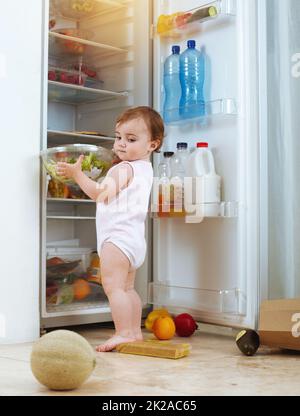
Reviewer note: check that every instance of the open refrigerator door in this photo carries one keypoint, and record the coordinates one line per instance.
(93, 71)
(209, 265)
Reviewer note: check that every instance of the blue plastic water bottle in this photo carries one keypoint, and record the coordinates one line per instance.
(172, 86)
(192, 75)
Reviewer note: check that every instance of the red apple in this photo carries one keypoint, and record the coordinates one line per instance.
(185, 325)
(51, 75)
(90, 73)
(72, 79)
(63, 77)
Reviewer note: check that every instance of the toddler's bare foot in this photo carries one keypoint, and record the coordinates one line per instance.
(138, 335)
(112, 342)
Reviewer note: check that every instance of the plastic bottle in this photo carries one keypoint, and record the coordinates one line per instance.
(172, 86)
(181, 156)
(167, 160)
(206, 184)
(192, 75)
(164, 172)
(177, 190)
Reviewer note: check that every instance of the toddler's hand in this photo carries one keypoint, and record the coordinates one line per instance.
(69, 170)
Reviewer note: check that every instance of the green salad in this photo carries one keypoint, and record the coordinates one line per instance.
(91, 165)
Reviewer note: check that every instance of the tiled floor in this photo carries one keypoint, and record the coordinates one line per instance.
(215, 367)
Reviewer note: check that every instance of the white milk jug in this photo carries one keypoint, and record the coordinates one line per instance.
(204, 185)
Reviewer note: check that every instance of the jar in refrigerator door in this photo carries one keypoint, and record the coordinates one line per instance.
(180, 157)
(167, 160)
(177, 191)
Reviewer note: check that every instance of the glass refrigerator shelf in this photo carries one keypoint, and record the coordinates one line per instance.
(75, 94)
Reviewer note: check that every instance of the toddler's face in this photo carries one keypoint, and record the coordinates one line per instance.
(133, 141)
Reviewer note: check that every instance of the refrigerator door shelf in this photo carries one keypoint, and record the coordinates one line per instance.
(74, 94)
(227, 302)
(212, 210)
(210, 110)
(183, 23)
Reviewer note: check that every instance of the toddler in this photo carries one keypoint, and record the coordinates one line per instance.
(122, 205)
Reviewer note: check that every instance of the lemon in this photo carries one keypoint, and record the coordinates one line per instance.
(153, 316)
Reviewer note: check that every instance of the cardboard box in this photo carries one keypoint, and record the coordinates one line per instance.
(279, 323)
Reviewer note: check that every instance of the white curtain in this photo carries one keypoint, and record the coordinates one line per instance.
(283, 25)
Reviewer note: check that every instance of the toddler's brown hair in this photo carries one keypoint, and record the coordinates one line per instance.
(152, 119)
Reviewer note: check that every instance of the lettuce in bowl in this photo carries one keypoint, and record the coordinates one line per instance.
(96, 163)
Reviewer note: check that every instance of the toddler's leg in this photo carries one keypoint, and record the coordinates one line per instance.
(114, 272)
(136, 306)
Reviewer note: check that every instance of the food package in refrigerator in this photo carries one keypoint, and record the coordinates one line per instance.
(203, 14)
(91, 74)
(57, 189)
(66, 74)
(63, 261)
(69, 46)
(69, 272)
(169, 25)
(94, 269)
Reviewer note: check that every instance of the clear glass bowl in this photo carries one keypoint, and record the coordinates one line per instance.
(75, 9)
(67, 75)
(97, 160)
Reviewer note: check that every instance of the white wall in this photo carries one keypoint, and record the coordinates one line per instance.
(20, 118)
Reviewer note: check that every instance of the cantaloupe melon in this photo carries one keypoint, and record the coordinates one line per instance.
(62, 360)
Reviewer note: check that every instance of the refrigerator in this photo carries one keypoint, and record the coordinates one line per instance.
(215, 269)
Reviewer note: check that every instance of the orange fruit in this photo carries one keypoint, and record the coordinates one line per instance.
(81, 289)
(164, 327)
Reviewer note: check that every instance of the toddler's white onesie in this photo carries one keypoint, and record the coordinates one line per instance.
(122, 220)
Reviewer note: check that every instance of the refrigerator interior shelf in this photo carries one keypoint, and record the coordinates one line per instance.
(182, 23)
(75, 94)
(56, 138)
(228, 302)
(69, 217)
(62, 45)
(71, 201)
(212, 210)
(68, 9)
(210, 110)
(79, 307)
